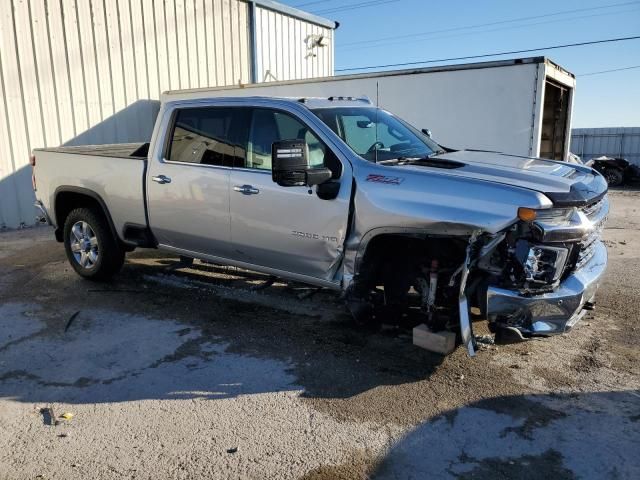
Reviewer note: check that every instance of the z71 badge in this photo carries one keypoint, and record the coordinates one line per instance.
(372, 177)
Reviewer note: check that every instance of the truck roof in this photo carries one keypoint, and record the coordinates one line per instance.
(309, 102)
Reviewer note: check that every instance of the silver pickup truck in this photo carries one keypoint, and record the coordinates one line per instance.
(337, 193)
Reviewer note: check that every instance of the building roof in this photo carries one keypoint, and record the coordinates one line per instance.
(295, 13)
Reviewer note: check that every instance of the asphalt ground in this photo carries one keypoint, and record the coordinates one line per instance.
(189, 373)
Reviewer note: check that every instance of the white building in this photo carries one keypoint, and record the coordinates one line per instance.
(91, 71)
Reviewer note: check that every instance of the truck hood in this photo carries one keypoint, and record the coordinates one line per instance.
(565, 184)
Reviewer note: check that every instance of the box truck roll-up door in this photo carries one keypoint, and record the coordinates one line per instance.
(555, 115)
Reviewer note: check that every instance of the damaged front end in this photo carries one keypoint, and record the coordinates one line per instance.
(545, 272)
(536, 277)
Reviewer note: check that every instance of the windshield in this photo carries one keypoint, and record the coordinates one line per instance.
(376, 135)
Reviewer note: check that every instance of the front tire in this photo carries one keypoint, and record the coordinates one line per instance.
(92, 250)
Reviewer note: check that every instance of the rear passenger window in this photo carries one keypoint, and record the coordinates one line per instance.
(205, 136)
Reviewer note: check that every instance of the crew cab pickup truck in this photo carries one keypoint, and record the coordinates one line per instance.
(338, 193)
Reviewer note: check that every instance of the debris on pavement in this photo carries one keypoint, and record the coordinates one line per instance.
(485, 339)
(439, 342)
(232, 450)
(71, 319)
(48, 417)
(67, 415)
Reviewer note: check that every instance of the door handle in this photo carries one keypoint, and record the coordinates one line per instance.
(161, 179)
(246, 189)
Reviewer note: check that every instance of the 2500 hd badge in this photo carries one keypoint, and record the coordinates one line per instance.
(314, 236)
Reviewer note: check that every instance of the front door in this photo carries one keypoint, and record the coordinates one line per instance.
(285, 228)
(188, 189)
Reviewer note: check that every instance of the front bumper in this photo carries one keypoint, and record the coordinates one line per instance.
(549, 313)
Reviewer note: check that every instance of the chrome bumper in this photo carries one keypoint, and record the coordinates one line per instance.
(549, 313)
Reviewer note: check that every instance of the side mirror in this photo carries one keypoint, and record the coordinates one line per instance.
(290, 165)
(427, 132)
(317, 176)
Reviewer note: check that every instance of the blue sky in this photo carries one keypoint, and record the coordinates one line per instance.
(605, 100)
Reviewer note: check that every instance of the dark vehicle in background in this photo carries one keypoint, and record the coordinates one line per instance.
(616, 171)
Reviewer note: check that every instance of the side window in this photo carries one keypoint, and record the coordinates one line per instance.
(269, 126)
(204, 136)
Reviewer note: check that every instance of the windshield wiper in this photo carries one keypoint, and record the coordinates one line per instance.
(401, 160)
(428, 161)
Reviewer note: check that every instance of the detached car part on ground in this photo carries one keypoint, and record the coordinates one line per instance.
(340, 194)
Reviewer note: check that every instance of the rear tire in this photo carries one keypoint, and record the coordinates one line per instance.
(92, 250)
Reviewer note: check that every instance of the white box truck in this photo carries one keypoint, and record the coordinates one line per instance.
(520, 106)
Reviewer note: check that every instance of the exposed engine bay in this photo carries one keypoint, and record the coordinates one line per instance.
(445, 282)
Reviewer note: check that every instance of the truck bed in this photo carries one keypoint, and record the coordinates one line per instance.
(118, 150)
(105, 172)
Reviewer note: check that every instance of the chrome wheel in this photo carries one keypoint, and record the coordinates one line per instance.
(84, 245)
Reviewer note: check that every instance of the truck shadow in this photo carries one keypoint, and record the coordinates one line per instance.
(16, 192)
(559, 436)
(133, 123)
(193, 336)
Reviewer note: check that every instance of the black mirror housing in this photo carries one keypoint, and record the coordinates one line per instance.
(317, 176)
(290, 165)
(289, 162)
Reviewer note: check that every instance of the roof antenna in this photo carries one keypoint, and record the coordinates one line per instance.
(377, 107)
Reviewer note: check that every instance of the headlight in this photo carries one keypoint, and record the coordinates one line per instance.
(555, 216)
(549, 216)
(544, 264)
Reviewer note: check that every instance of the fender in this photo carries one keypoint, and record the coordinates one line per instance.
(81, 191)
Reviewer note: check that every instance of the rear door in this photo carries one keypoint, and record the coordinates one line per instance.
(188, 188)
(289, 229)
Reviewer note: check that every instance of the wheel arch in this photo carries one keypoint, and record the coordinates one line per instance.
(377, 244)
(371, 241)
(67, 198)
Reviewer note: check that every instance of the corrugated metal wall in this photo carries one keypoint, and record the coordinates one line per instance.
(90, 71)
(613, 142)
(285, 48)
